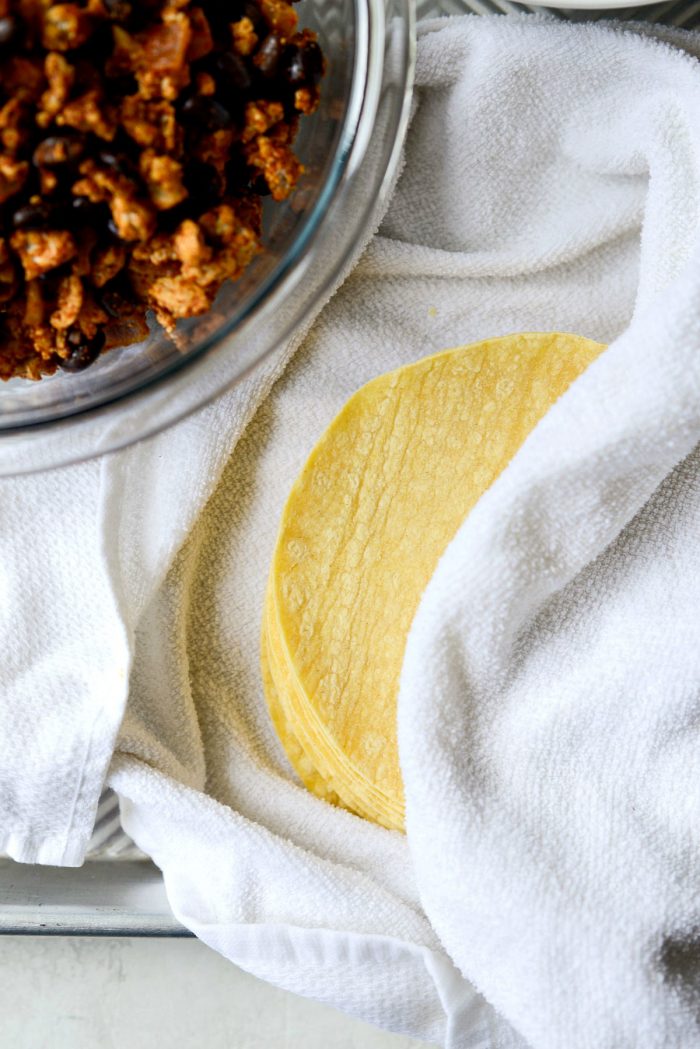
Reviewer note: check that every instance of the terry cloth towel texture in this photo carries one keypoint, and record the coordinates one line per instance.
(547, 893)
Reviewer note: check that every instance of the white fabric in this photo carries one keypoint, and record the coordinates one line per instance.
(551, 677)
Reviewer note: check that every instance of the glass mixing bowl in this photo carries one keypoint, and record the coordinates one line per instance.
(350, 148)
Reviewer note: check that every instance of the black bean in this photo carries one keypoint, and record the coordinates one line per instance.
(83, 351)
(292, 66)
(230, 71)
(312, 58)
(268, 56)
(37, 216)
(118, 162)
(58, 149)
(205, 112)
(302, 65)
(10, 28)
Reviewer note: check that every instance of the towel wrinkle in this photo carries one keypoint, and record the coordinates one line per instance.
(546, 893)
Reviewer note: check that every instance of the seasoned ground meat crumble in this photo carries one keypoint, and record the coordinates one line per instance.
(137, 139)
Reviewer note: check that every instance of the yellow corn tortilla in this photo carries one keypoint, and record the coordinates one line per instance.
(378, 501)
(321, 769)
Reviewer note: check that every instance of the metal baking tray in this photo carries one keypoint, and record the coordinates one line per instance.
(101, 898)
(119, 892)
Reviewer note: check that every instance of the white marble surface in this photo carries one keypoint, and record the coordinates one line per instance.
(81, 993)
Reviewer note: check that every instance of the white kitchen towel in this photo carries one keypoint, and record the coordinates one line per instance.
(552, 673)
(552, 181)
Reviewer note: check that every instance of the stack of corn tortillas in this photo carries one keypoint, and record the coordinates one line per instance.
(381, 496)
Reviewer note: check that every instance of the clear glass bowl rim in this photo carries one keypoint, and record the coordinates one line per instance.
(353, 142)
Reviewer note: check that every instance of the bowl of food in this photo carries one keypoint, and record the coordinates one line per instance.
(181, 185)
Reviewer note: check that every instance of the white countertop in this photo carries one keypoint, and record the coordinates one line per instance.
(60, 992)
